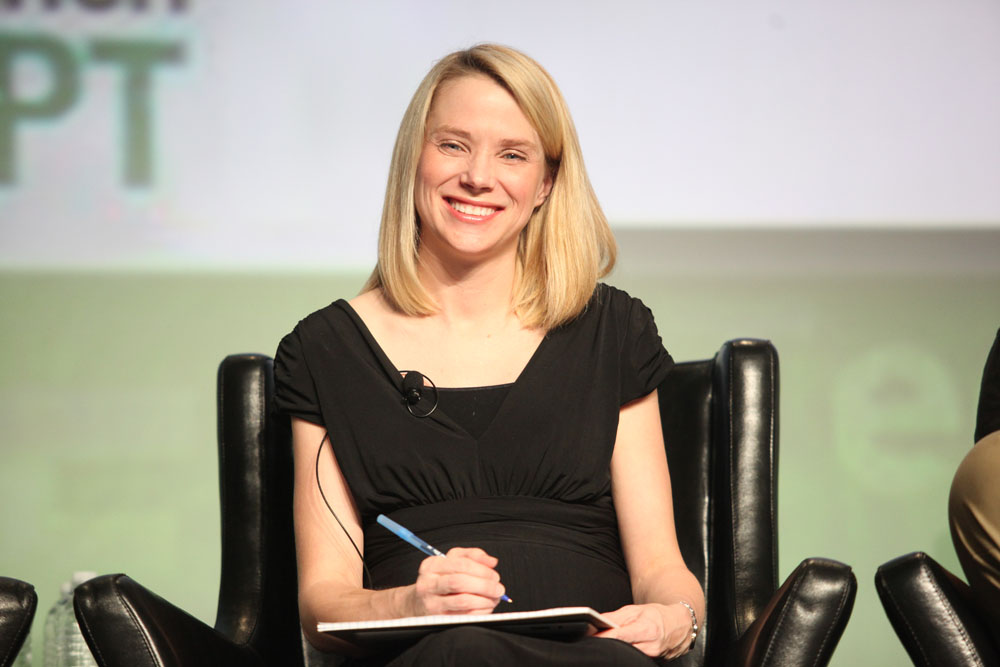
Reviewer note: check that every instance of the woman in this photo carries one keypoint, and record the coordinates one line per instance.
(526, 443)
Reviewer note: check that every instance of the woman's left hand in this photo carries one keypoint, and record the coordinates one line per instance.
(655, 629)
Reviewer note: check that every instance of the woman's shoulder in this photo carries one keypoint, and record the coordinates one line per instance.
(369, 306)
(319, 325)
(617, 302)
(334, 315)
(342, 320)
(613, 314)
(300, 357)
(607, 291)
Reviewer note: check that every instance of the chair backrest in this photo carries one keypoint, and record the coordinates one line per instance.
(18, 602)
(720, 426)
(258, 604)
(720, 421)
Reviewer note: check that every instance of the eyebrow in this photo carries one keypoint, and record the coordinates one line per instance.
(449, 129)
(524, 144)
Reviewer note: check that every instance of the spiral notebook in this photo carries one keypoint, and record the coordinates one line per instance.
(556, 623)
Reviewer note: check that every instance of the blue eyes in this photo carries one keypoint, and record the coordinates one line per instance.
(509, 156)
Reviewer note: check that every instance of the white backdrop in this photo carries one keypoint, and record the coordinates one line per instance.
(269, 129)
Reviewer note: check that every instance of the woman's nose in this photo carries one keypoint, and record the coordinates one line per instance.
(478, 174)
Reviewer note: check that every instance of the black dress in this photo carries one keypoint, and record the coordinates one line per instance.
(533, 490)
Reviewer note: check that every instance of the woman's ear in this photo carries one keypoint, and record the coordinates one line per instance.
(546, 189)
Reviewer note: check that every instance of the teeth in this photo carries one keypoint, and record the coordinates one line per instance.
(469, 209)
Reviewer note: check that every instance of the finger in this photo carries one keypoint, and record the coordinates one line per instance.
(450, 576)
(636, 627)
(620, 633)
(635, 632)
(452, 584)
(474, 553)
(456, 604)
(456, 562)
(622, 616)
(647, 647)
(467, 604)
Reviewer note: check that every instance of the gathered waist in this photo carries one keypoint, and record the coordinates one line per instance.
(589, 529)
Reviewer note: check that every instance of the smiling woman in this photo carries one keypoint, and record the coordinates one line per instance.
(539, 462)
(568, 247)
(481, 174)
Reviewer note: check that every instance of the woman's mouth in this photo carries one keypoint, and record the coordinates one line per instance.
(471, 211)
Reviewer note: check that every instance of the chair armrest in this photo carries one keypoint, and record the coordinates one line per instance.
(932, 612)
(126, 625)
(18, 601)
(804, 619)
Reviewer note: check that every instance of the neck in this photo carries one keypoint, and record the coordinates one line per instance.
(480, 293)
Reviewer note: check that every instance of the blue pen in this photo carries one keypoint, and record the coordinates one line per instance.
(407, 535)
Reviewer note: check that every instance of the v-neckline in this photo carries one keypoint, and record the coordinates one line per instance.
(395, 376)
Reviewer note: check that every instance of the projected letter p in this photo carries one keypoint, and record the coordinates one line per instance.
(61, 94)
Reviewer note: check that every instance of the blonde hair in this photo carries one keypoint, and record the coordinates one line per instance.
(567, 244)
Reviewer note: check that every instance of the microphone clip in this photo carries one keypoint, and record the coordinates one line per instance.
(420, 394)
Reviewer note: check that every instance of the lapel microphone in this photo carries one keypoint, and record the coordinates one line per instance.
(418, 390)
(413, 387)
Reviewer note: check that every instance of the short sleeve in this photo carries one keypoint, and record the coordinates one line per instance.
(644, 360)
(295, 391)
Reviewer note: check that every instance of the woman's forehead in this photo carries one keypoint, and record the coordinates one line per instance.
(476, 104)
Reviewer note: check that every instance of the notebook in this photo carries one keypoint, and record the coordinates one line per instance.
(556, 623)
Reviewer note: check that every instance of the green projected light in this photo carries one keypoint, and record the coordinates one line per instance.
(894, 409)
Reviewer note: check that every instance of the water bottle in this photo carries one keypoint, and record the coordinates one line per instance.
(64, 644)
(52, 647)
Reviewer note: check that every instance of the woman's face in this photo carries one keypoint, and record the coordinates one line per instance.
(481, 173)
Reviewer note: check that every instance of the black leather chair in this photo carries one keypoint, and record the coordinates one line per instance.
(126, 625)
(934, 615)
(720, 419)
(18, 602)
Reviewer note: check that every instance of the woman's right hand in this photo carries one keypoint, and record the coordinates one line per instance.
(465, 581)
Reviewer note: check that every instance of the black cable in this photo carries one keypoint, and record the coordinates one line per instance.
(319, 485)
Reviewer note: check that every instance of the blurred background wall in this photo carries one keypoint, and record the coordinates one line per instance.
(184, 179)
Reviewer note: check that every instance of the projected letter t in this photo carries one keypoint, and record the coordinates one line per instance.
(137, 59)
